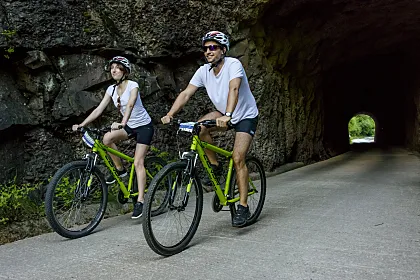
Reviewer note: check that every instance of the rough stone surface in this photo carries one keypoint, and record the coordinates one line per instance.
(312, 65)
(354, 216)
(13, 106)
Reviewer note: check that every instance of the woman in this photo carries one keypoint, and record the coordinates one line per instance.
(136, 122)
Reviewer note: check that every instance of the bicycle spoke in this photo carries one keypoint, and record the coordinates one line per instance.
(153, 165)
(256, 189)
(172, 230)
(75, 200)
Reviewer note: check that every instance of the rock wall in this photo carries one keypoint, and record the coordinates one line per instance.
(55, 76)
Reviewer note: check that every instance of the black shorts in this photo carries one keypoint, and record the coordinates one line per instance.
(247, 125)
(143, 134)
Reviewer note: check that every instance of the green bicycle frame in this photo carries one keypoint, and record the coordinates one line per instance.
(198, 146)
(102, 150)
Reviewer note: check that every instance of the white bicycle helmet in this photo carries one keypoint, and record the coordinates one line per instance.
(217, 36)
(121, 60)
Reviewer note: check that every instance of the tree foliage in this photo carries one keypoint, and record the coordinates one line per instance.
(361, 126)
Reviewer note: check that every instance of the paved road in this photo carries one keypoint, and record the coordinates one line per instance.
(356, 216)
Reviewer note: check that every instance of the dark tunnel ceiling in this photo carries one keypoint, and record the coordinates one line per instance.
(367, 55)
(348, 30)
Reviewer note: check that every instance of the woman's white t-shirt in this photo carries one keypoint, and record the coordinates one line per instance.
(218, 88)
(139, 115)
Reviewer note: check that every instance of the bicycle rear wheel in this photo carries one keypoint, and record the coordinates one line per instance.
(153, 165)
(76, 200)
(171, 232)
(257, 182)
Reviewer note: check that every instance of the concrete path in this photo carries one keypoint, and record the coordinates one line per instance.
(356, 216)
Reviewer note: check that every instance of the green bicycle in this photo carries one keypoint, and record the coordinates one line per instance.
(77, 195)
(171, 232)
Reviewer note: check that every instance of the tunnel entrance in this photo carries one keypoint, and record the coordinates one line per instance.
(333, 60)
(362, 129)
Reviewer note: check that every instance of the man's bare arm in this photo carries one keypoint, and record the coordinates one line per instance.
(234, 85)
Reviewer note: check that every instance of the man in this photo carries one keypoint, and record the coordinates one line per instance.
(227, 87)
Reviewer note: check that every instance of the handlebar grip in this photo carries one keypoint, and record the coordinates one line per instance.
(208, 123)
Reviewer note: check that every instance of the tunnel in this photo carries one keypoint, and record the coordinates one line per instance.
(361, 56)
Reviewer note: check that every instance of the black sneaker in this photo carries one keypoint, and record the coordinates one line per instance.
(138, 210)
(218, 171)
(241, 217)
(111, 179)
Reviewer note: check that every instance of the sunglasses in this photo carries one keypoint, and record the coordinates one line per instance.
(118, 103)
(211, 47)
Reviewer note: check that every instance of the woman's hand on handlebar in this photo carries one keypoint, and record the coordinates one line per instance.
(75, 127)
(116, 126)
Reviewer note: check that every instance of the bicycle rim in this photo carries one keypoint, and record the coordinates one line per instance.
(153, 165)
(171, 231)
(256, 183)
(76, 200)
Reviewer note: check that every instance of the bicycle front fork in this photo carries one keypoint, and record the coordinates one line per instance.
(188, 172)
(91, 159)
(84, 183)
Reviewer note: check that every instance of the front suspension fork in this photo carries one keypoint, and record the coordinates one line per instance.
(188, 172)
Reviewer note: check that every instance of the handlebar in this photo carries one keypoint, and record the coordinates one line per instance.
(207, 123)
(195, 127)
(91, 134)
(98, 131)
(101, 130)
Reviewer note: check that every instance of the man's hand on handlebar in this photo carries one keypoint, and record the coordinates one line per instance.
(166, 119)
(223, 121)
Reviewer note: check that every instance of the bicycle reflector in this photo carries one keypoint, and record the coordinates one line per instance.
(88, 139)
(188, 126)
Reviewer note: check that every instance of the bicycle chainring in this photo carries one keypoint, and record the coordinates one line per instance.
(216, 206)
(120, 197)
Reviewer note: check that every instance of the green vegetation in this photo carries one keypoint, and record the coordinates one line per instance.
(361, 126)
(8, 34)
(163, 155)
(16, 203)
(20, 202)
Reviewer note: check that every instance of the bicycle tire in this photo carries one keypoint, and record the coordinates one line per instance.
(256, 200)
(156, 229)
(68, 200)
(153, 165)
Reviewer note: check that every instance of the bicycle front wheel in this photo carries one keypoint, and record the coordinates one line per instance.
(256, 184)
(76, 200)
(170, 232)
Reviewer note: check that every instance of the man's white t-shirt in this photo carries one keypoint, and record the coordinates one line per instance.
(218, 88)
(139, 115)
